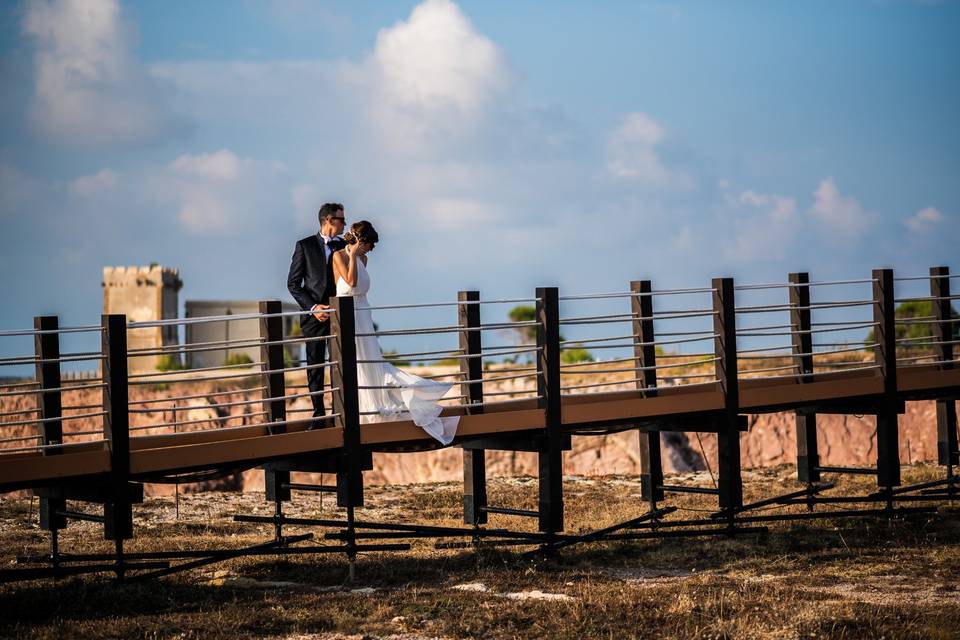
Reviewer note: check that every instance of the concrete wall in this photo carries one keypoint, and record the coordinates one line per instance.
(222, 330)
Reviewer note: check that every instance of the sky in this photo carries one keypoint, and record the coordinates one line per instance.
(496, 145)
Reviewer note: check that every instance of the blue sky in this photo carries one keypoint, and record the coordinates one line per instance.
(496, 145)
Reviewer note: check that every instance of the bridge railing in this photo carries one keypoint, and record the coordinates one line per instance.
(657, 340)
(226, 402)
(706, 336)
(36, 409)
(806, 328)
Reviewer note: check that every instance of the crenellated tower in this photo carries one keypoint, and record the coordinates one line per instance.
(144, 293)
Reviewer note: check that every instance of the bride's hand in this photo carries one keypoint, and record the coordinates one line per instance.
(359, 249)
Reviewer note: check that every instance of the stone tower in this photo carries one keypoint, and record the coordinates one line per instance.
(144, 293)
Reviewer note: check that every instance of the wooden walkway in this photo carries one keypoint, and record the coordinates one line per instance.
(722, 386)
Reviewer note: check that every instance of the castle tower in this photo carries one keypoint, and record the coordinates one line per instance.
(144, 293)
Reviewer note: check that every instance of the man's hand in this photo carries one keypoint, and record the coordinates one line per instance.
(318, 314)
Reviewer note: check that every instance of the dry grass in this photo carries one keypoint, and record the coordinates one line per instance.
(847, 578)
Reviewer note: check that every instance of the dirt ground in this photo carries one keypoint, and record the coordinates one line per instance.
(824, 578)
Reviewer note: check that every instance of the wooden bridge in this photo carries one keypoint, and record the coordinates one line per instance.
(110, 469)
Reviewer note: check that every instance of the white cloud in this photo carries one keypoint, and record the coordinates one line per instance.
(632, 155)
(838, 213)
(87, 186)
(215, 192)
(924, 221)
(763, 225)
(89, 89)
(223, 165)
(781, 208)
(432, 75)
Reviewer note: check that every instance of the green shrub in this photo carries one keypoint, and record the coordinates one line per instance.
(389, 354)
(575, 355)
(916, 309)
(170, 362)
(237, 359)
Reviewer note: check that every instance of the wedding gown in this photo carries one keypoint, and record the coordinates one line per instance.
(408, 397)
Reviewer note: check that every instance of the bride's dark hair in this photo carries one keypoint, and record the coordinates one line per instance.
(363, 232)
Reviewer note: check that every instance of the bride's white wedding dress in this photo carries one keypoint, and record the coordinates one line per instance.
(408, 397)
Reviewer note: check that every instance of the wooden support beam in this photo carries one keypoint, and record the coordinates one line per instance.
(808, 455)
(651, 464)
(725, 350)
(548, 388)
(944, 331)
(118, 512)
(343, 355)
(474, 460)
(888, 442)
(50, 403)
(275, 481)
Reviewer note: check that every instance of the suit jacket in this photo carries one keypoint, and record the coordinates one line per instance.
(310, 280)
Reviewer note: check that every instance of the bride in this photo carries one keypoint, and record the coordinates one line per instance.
(402, 396)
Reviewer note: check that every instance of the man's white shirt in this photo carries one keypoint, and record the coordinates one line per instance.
(326, 245)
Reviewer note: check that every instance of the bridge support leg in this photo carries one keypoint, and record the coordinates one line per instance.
(551, 487)
(947, 446)
(808, 454)
(474, 487)
(651, 468)
(51, 520)
(729, 482)
(888, 449)
(276, 484)
(350, 496)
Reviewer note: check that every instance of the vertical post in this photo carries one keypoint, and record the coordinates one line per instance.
(645, 352)
(50, 403)
(728, 436)
(116, 427)
(944, 331)
(275, 482)
(548, 390)
(808, 455)
(474, 461)
(888, 442)
(343, 357)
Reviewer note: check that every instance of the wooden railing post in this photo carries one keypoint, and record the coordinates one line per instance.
(343, 356)
(808, 455)
(944, 330)
(118, 512)
(474, 460)
(645, 352)
(548, 388)
(728, 437)
(275, 481)
(888, 441)
(50, 403)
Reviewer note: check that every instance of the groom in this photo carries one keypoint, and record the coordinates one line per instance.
(310, 282)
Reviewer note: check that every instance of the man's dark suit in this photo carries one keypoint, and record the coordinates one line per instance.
(310, 282)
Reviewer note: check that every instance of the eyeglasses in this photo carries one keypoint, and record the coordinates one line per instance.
(340, 218)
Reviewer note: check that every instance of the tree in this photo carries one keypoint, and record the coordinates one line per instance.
(917, 309)
(524, 313)
(528, 334)
(575, 355)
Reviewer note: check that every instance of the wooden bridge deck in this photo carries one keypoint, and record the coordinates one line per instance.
(165, 454)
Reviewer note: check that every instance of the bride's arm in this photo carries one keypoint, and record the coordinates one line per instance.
(345, 266)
